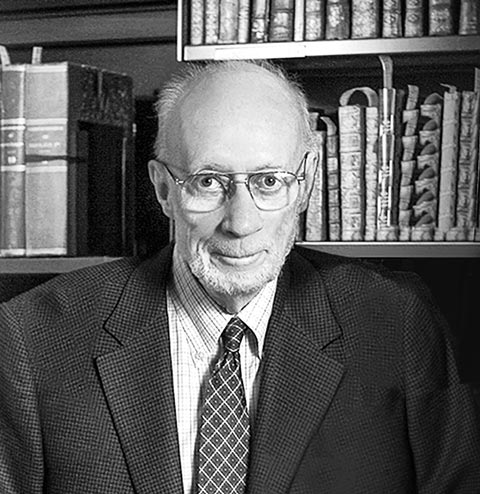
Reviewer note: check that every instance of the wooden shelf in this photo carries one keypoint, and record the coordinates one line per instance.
(398, 249)
(334, 48)
(51, 265)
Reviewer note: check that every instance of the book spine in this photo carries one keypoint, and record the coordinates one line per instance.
(469, 21)
(371, 172)
(425, 203)
(243, 21)
(467, 166)
(12, 161)
(392, 19)
(316, 218)
(414, 18)
(337, 19)
(365, 19)
(447, 194)
(212, 21)
(352, 171)
(314, 20)
(260, 18)
(440, 19)
(281, 20)
(299, 20)
(228, 21)
(196, 22)
(333, 181)
(46, 187)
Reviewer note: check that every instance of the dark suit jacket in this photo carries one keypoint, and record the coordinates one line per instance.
(359, 389)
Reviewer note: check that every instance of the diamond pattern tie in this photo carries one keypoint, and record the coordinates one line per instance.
(224, 428)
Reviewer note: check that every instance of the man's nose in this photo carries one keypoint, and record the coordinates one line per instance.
(242, 217)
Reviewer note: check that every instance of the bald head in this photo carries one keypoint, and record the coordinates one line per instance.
(247, 91)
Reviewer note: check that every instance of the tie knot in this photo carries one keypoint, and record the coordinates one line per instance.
(232, 335)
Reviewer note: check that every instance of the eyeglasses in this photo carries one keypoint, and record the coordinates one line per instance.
(270, 190)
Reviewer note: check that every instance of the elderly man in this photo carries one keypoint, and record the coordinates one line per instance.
(229, 363)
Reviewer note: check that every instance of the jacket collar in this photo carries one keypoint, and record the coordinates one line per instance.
(300, 374)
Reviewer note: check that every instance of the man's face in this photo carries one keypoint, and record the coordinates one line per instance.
(234, 124)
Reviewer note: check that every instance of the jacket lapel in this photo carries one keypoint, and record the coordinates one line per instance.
(299, 378)
(134, 367)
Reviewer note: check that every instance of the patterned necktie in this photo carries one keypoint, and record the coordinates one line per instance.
(224, 429)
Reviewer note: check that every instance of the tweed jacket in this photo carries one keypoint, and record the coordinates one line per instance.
(359, 388)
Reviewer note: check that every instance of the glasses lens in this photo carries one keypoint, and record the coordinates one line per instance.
(203, 192)
(273, 190)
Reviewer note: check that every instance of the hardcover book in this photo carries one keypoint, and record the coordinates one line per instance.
(12, 159)
(352, 134)
(281, 20)
(212, 21)
(333, 181)
(414, 18)
(468, 168)
(392, 19)
(316, 215)
(78, 144)
(338, 19)
(197, 14)
(365, 18)
(243, 21)
(314, 19)
(447, 194)
(469, 22)
(440, 19)
(259, 21)
(228, 21)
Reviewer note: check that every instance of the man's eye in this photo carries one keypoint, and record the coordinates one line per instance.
(268, 181)
(207, 183)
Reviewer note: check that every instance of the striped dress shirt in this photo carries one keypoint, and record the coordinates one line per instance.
(196, 323)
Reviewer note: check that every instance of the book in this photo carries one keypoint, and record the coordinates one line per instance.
(78, 143)
(337, 18)
(299, 20)
(212, 21)
(365, 18)
(228, 21)
(243, 21)
(392, 19)
(316, 214)
(259, 21)
(390, 138)
(468, 167)
(352, 132)
(440, 18)
(281, 20)
(314, 19)
(414, 18)
(333, 181)
(469, 21)
(410, 123)
(447, 193)
(12, 158)
(196, 22)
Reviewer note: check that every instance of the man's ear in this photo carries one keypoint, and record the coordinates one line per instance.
(311, 163)
(160, 180)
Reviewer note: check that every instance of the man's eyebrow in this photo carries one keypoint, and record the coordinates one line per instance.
(217, 168)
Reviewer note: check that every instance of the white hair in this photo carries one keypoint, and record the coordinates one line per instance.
(182, 82)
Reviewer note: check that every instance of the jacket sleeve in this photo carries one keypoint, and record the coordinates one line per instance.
(443, 419)
(21, 463)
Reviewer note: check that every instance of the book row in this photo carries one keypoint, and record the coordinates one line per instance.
(396, 166)
(65, 140)
(257, 21)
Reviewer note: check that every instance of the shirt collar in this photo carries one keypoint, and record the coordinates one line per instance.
(210, 319)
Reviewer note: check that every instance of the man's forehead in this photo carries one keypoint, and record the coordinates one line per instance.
(249, 84)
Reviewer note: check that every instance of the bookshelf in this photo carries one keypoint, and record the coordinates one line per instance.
(325, 69)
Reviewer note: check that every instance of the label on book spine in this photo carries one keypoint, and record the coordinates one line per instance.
(12, 161)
